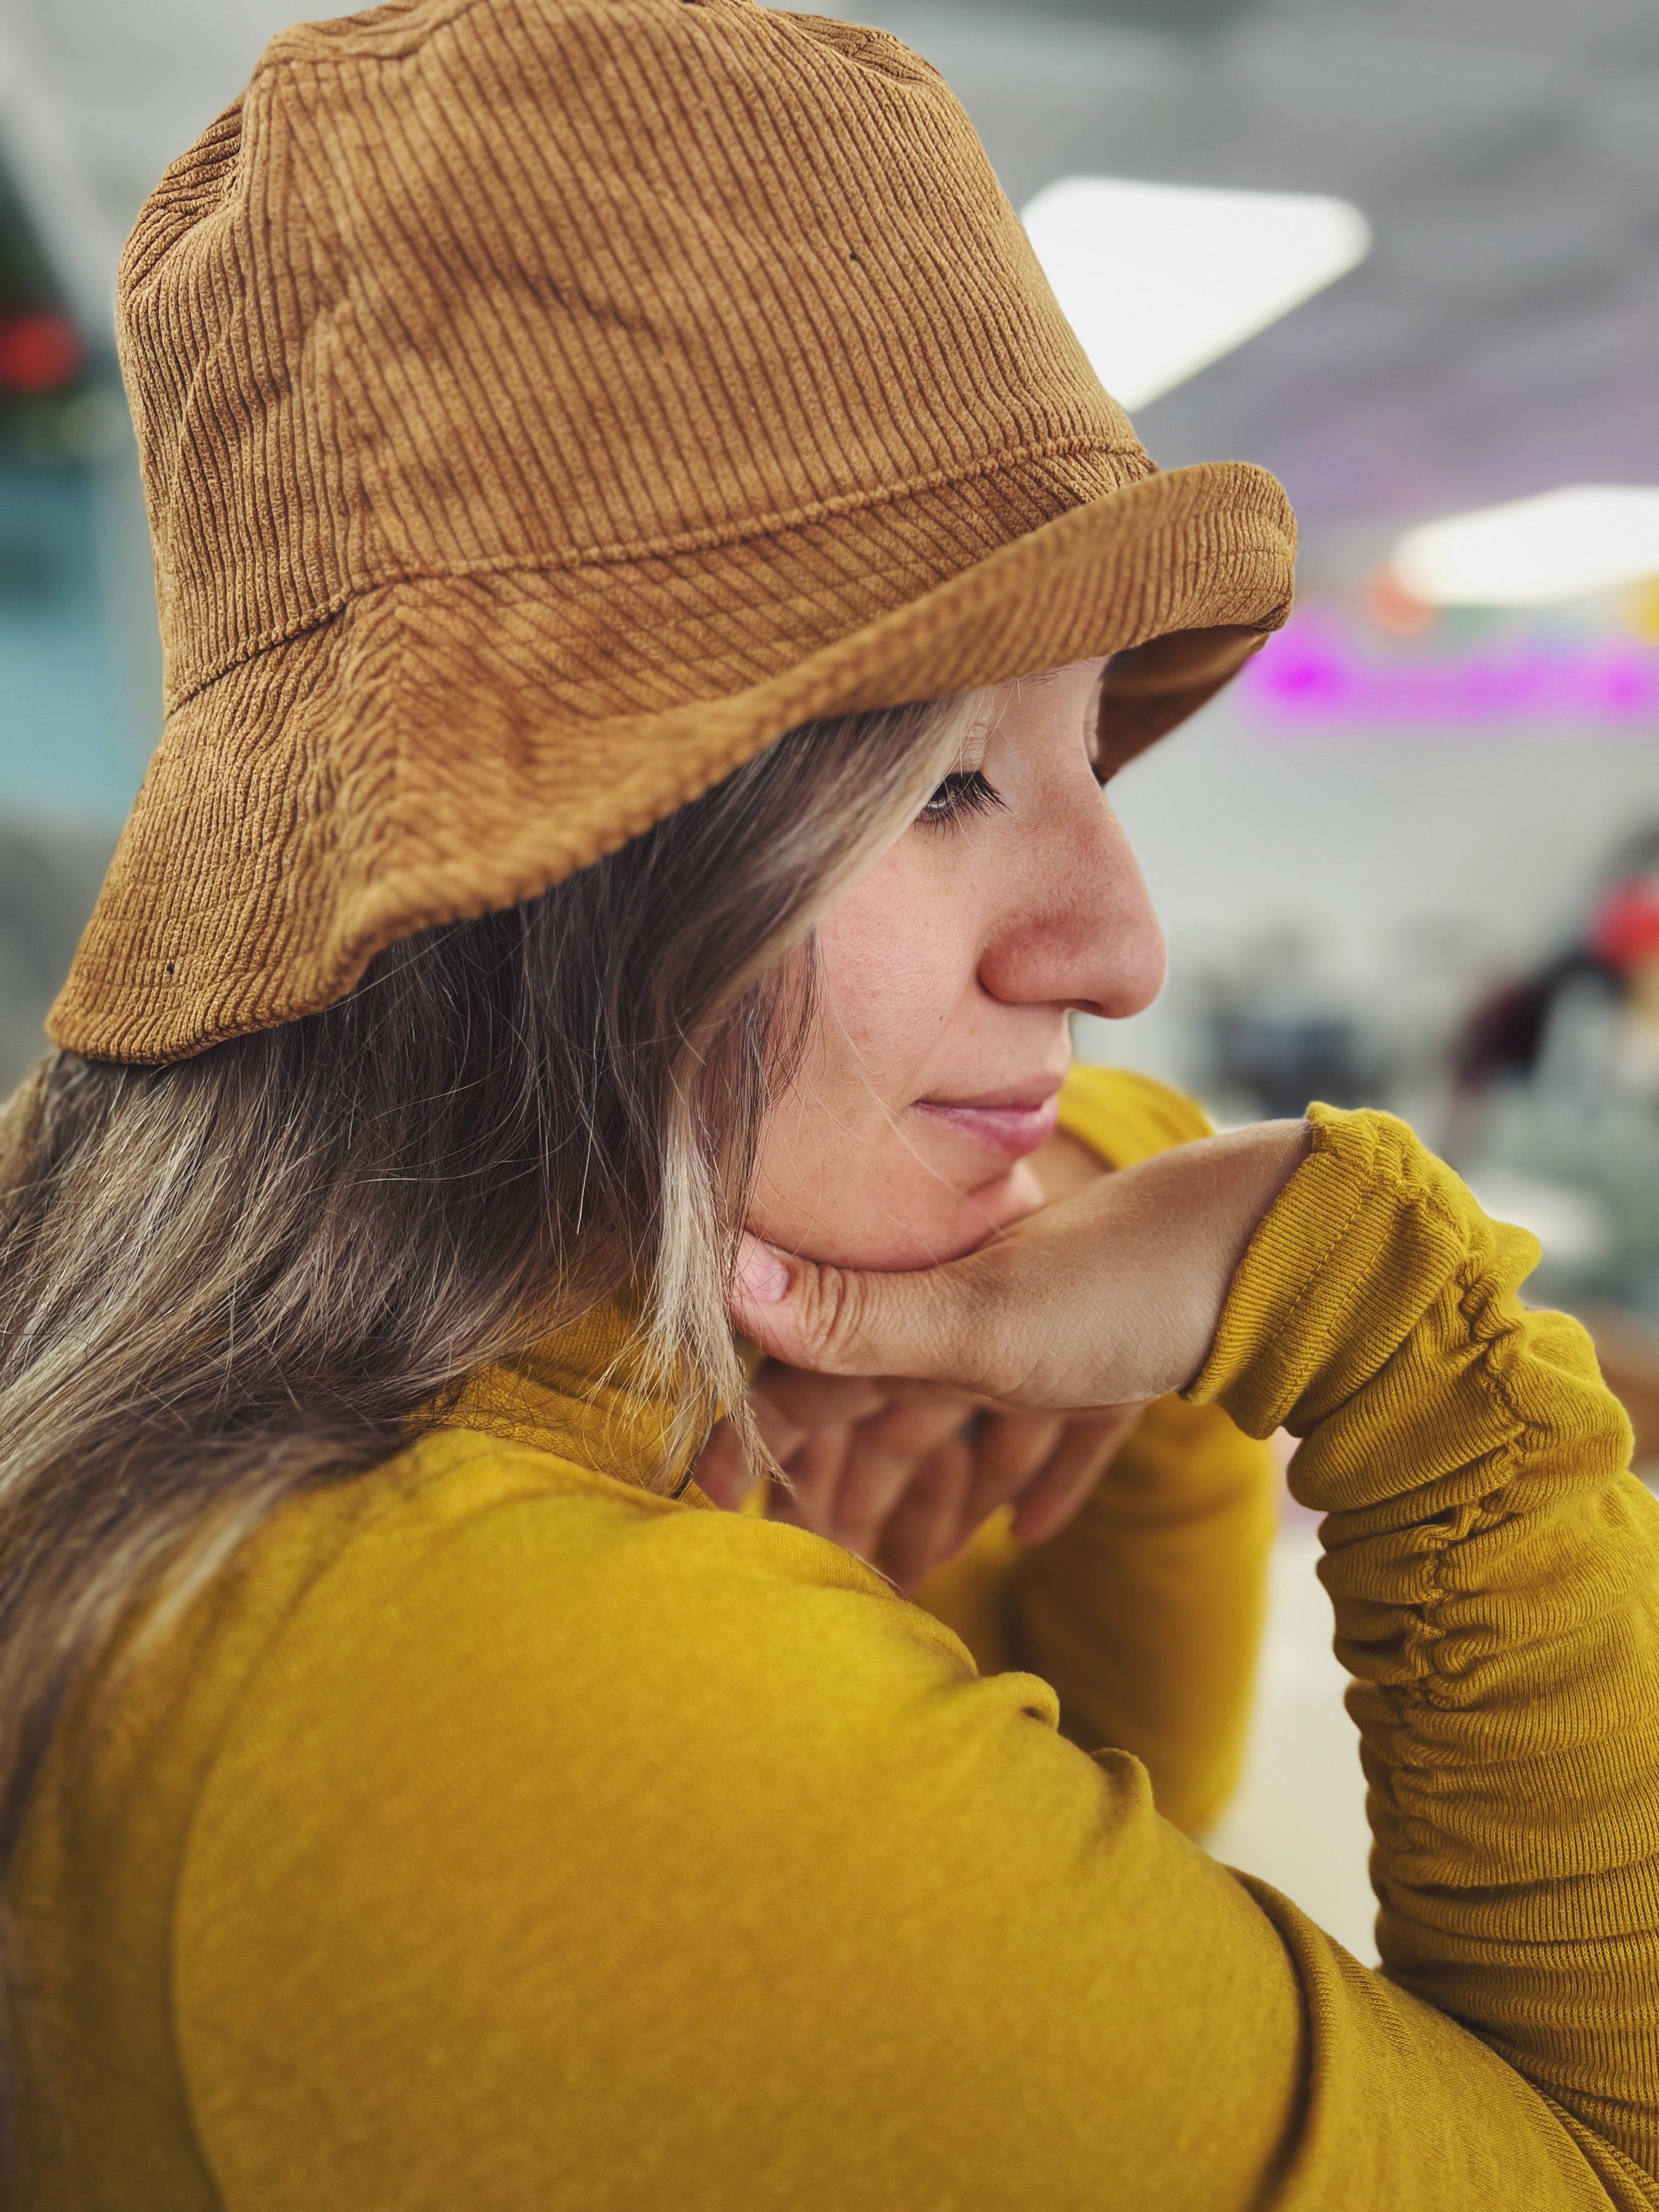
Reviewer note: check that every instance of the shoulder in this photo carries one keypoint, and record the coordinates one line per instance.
(494, 1579)
(509, 1793)
(1125, 1117)
(551, 1809)
(515, 1648)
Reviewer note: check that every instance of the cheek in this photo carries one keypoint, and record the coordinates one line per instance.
(897, 963)
(840, 1174)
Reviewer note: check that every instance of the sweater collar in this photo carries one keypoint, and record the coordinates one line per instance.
(582, 1395)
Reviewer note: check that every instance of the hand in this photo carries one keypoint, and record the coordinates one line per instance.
(905, 1473)
(1107, 1298)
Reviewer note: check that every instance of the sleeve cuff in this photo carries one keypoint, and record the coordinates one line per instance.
(1359, 1244)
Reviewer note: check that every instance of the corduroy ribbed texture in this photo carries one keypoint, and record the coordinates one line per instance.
(545, 404)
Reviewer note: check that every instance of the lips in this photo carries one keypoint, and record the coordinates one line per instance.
(1012, 1122)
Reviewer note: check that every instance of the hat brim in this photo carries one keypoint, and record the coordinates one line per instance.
(442, 748)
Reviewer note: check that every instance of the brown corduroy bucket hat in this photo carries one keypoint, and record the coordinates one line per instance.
(545, 404)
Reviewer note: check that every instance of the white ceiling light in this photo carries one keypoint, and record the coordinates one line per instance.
(1534, 552)
(1160, 280)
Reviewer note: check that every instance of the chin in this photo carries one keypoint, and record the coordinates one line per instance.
(925, 1228)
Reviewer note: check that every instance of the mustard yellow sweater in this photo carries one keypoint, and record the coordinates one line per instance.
(493, 1834)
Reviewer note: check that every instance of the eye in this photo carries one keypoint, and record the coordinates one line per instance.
(963, 794)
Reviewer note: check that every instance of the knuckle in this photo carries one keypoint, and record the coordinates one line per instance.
(834, 1317)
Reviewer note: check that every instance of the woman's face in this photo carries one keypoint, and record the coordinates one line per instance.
(949, 968)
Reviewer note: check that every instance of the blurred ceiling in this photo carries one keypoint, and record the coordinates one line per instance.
(1502, 338)
(1180, 16)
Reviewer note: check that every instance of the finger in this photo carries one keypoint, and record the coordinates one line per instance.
(928, 1525)
(814, 1401)
(1073, 1475)
(838, 1321)
(816, 1472)
(782, 1437)
(721, 1473)
(1011, 1451)
(886, 1455)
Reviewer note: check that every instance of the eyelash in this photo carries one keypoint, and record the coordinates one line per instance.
(966, 792)
(962, 794)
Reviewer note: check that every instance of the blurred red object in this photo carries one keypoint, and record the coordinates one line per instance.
(39, 351)
(1625, 932)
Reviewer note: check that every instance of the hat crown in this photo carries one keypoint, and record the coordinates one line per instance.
(464, 287)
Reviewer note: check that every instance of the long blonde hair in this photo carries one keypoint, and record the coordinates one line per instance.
(228, 1279)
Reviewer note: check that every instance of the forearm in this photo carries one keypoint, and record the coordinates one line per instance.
(1494, 1571)
(1146, 1614)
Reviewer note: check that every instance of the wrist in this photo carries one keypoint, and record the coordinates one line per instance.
(1243, 1174)
(1341, 1268)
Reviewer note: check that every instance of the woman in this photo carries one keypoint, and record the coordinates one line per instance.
(566, 424)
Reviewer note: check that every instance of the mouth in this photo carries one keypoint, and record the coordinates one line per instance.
(1013, 1122)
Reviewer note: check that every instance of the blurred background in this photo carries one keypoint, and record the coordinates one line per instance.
(1412, 860)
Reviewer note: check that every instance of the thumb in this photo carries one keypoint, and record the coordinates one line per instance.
(846, 1321)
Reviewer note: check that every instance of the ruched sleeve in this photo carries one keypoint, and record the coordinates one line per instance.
(1495, 1573)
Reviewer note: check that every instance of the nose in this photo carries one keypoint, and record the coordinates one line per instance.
(1079, 930)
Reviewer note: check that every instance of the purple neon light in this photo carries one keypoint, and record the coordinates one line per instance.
(1314, 677)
